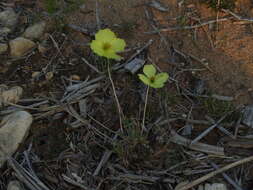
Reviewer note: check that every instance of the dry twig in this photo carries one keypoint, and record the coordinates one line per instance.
(212, 174)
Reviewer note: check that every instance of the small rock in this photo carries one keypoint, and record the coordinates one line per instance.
(157, 5)
(20, 46)
(49, 75)
(214, 186)
(3, 48)
(75, 77)
(8, 18)
(14, 185)
(198, 86)
(14, 129)
(35, 31)
(11, 95)
(4, 31)
(35, 74)
(187, 130)
(134, 65)
(247, 117)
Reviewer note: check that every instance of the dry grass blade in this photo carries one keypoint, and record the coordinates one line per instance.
(212, 174)
(75, 183)
(104, 159)
(188, 27)
(74, 114)
(142, 178)
(209, 149)
(90, 65)
(237, 16)
(232, 182)
(204, 133)
(23, 175)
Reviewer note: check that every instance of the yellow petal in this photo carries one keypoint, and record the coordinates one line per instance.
(156, 85)
(118, 44)
(144, 79)
(97, 47)
(160, 79)
(105, 35)
(149, 71)
(110, 54)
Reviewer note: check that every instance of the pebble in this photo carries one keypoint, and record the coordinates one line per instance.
(20, 46)
(75, 77)
(4, 31)
(49, 75)
(14, 129)
(134, 65)
(35, 74)
(14, 185)
(9, 95)
(8, 18)
(214, 186)
(35, 31)
(3, 48)
(247, 117)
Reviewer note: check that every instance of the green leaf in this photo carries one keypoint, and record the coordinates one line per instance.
(144, 79)
(149, 71)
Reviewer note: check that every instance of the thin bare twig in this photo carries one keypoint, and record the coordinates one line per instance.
(97, 16)
(90, 65)
(209, 149)
(104, 159)
(204, 133)
(212, 174)
(237, 16)
(188, 27)
(229, 180)
(73, 182)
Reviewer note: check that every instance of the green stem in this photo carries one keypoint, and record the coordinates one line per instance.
(144, 112)
(115, 95)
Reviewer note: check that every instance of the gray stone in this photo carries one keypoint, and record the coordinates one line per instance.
(198, 86)
(247, 118)
(14, 185)
(3, 48)
(14, 129)
(134, 65)
(214, 186)
(4, 31)
(8, 18)
(35, 31)
(20, 46)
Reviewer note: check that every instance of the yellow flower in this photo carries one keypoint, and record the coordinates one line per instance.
(106, 44)
(151, 78)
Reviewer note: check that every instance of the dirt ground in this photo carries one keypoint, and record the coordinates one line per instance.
(218, 54)
(225, 47)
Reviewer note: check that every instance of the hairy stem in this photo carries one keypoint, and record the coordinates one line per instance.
(115, 95)
(144, 112)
